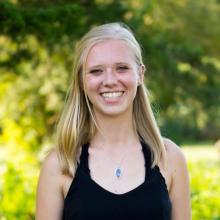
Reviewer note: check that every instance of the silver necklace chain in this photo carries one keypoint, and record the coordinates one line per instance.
(118, 170)
(118, 173)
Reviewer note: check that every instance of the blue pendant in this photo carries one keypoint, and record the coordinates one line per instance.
(118, 172)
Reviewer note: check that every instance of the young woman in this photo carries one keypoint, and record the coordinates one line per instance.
(111, 161)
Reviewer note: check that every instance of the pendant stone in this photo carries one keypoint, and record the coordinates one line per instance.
(118, 173)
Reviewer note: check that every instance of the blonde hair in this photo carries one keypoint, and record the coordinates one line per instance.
(77, 123)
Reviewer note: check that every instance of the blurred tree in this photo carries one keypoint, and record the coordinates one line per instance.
(180, 47)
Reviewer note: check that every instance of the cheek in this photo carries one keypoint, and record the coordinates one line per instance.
(130, 80)
(91, 84)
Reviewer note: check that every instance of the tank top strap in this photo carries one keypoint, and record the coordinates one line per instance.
(147, 156)
(84, 158)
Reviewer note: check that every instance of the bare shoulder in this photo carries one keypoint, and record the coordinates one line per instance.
(50, 174)
(49, 191)
(175, 161)
(180, 185)
(174, 153)
(51, 163)
(176, 165)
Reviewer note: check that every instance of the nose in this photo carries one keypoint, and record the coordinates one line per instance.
(110, 79)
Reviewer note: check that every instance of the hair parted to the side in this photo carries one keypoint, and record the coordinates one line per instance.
(77, 123)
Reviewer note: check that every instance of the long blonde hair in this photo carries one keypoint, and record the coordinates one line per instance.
(77, 123)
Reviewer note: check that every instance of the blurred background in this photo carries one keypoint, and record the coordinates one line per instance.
(181, 48)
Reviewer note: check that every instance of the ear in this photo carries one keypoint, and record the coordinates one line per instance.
(141, 72)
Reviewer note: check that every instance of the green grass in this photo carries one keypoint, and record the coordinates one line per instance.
(201, 152)
(204, 169)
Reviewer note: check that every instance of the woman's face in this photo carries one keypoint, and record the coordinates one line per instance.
(112, 77)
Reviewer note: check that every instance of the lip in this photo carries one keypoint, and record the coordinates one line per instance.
(112, 92)
(112, 100)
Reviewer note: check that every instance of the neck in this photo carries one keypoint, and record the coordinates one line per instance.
(115, 133)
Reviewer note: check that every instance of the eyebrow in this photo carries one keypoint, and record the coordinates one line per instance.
(96, 66)
(119, 63)
(122, 63)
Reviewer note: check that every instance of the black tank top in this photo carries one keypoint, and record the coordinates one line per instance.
(87, 200)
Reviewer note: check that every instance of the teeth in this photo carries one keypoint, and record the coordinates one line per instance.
(112, 94)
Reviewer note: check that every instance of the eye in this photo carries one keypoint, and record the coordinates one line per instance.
(96, 71)
(122, 69)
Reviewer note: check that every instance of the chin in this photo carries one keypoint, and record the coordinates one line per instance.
(113, 111)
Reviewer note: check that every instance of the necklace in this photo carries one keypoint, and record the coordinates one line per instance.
(118, 170)
(118, 173)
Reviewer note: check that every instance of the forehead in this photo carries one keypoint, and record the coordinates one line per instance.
(109, 52)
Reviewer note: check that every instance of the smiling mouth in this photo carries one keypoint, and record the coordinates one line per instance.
(112, 94)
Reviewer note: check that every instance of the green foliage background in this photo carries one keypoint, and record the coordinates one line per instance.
(203, 165)
(180, 41)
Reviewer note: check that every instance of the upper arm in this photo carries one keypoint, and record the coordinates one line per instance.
(49, 204)
(180, 189)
